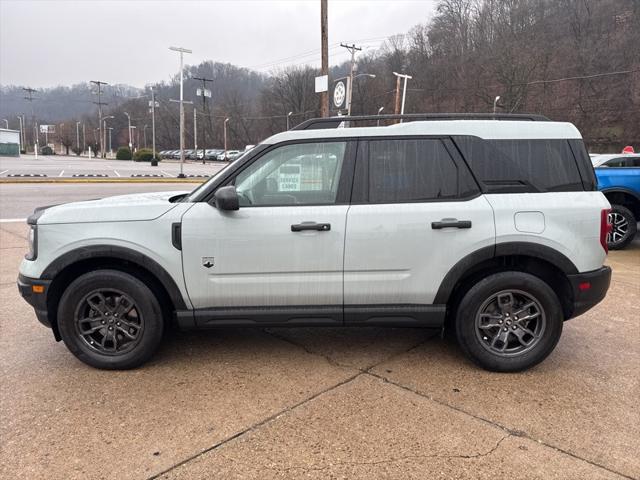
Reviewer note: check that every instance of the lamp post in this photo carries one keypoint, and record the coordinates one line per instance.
(225, 137)
(495, 104)
(21, 132)
(78, 137)
(288, 115)
(379, 112)
(129, 130)
(6, 123)
(404, 90)
(182, 51)
(104, 130)
(110, 151)
(60, 135)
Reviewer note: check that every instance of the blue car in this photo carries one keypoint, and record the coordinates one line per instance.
(619, 179)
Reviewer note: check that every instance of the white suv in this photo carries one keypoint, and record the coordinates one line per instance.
(490, 226)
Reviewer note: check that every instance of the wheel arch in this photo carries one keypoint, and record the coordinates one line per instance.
(74, 263)
(544, 262)
(624, 197)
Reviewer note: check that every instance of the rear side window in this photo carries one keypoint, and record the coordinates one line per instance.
(622, 162)
(406, 170)
(522, 165)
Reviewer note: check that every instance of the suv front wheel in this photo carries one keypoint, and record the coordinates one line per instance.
(110, 319)
(509, 321)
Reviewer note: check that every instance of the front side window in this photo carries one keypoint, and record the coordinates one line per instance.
(301, 174)
(411, 171)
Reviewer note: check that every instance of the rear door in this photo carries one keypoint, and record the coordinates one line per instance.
(416, 211)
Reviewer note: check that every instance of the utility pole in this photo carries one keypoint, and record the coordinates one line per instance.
(404, 91)
(352, 49)
(84, 139)
(99, 84)
(145, 134)
(29, 97)
(204, 111)
(324, 40)
(78, 136)
(182, 51)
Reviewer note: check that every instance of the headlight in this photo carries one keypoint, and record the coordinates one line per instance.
(33, 243)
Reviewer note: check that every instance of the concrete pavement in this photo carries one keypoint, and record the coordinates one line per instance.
(321, 403)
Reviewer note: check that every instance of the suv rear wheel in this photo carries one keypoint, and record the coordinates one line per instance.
(623, 227)
(110, 319)
(509, 321)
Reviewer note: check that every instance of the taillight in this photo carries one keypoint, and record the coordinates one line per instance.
(605, 228)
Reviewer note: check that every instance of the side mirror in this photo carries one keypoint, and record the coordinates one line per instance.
(226, 198)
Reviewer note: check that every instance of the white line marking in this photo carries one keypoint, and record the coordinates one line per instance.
(61, 173)
(167, 174)
(12, 220)
(4, 171)
(116, 173)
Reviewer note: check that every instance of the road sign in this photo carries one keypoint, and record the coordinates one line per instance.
(322, 83)
(207, 92)
(339, 94)
(47, 129)
(157, 104)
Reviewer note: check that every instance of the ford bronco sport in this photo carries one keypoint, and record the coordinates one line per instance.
(488, 225)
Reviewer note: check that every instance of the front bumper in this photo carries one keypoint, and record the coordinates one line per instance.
(30, 288)
(589, 288)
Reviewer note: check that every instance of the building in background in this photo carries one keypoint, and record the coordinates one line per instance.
(9, 143)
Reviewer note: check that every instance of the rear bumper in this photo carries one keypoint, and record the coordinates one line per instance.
(589, 288)
(37, 300)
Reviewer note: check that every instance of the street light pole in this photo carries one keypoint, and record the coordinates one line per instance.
(495, 104)
(78, 136)
(104, 132)
(225, 137)
(21, 133)
(404, 90)
(145, 134)
(6, 122)
(129, 131)
(379, 112)
(288, 115)
(153, 122)
(110, 151)
(84, 139)
(182, 51)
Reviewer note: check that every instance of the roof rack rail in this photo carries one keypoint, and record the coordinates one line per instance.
(334, 122)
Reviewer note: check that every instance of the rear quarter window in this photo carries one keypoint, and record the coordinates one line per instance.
(522, 165)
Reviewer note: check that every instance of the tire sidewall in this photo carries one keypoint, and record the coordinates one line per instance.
(631, 232)
(145, 301)
(481, 291)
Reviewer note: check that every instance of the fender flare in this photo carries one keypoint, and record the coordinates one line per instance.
(120, 253)
(529, 249)
(626, 191)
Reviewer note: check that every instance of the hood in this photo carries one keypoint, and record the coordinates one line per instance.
(121, 208)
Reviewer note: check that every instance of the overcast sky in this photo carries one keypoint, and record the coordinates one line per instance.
(45, 43)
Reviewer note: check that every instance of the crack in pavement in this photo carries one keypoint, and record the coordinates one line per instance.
(387, 460)
(509, 431)
(286, 410)
(255, 426)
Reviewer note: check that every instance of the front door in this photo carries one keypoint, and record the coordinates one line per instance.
(282, 251)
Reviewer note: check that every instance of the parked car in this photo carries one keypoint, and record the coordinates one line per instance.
(619, 179)
(227, 156)
(492, 228)
(213, 153)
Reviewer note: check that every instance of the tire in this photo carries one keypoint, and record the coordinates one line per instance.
(495, 303)
(100, 327)
(624, 227)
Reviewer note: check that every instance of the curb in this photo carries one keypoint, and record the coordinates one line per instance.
(4, 180)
